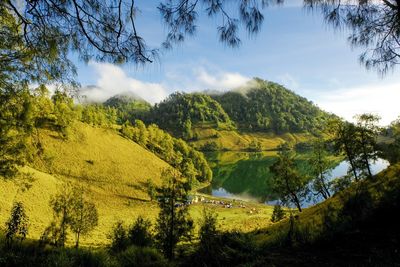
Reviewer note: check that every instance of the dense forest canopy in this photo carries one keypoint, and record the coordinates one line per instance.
(129, 107)
(180, 111)
(267, 106)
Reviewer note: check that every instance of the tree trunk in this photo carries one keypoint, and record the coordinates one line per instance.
(350, 158)
(77, 239)
(297, 202)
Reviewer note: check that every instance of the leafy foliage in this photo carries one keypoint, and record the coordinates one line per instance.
(118, 237)
(97, 115)
(180, 111)
(17, 225)
(70, 211)
(372, 24)
(84, 217)
(173, 222)
(320, 167)
(176, 152)
(15, 127)
(391, 150)
(278, 213)
(129, 108)
(288, 183)
(139, 233)
(267, 106)
(357, 142)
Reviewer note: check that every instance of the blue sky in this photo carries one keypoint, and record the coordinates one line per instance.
(294, 48)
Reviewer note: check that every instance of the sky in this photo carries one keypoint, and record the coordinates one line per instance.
(294, 48)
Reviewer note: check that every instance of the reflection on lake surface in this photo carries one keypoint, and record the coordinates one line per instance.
(246, 176)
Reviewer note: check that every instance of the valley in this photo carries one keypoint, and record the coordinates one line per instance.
(122, 155)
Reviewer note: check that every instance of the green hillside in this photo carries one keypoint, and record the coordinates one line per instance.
(113, 169)
(259, 116)
(114, 172)
(180, 112)
(129, 107)
(270, 107)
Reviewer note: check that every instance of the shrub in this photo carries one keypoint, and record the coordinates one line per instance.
(17, 224)
(141, 256)
(278, 214)
(139, 234)
(118, 237)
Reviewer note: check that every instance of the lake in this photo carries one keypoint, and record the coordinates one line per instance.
(246, 176)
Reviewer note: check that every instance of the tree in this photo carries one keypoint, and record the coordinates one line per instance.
(16, 124)
(17, 224)
(255, 146)
(63, 205)
(173, 223)
(287, 182)
(373, 24)
(63, 112)
(208, 229)
(139, 233)
(38, 35)
(320, 167)
(367, 133)
(118, 237)
(151, 189)
(208, 235)
(84, 217)
(277, 214)
(343, 140)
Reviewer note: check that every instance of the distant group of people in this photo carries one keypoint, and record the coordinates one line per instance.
(225, 204)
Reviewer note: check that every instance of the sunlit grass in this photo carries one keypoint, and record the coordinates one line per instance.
(113, 170)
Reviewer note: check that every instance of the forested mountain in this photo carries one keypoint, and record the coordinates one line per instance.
(129, 107)
(180, 111)
(268, 106)
(260, 106)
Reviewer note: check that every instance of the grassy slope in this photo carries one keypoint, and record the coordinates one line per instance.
(238, 141)
(113, 170)
(357, 224)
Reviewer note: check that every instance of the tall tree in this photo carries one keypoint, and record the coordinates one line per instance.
(17, 224)
(62, 204)
(173, 223)
(16, 124)
(343, 139)
(367, 134)
(320, 167)
(63, 112)
(287, 182)
(84, 216)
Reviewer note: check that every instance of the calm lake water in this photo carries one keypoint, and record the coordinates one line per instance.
(246, 176)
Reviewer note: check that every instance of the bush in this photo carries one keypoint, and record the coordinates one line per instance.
(278, 214)
(17, 224)
(139, 234)
(141, 256)
(210, 146)
(118, 237)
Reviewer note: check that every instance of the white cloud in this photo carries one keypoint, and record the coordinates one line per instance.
(112, 80)
(220, 80)
(381, 99)
(203, 78)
